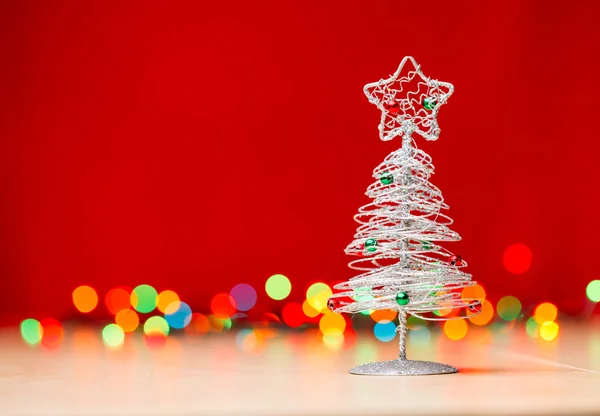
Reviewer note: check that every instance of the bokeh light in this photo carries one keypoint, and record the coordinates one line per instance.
(292, 315)
(532, 327)
(384, 331)
(178, 315)
(309, 310)
(31, 331)
(144, 298)
(420, 337)
(317, 295)
(244, 296)
(278, 287)
(127, 319)
(384, 315)
(223, 306)
(219, 324)
(517, 258)
(487, 313)
(333, 341)
(365, 352)
(455, 329)
(156, 326)
(414, 324)
(545, 312)
(549, 331)
(593, 291)
(443, 311)
(165, 299)
(199, 325)
(508, 308)
(246, 339)
(473, 292)
(85, 299)
(332, 323)
(117, 299)
(53, 332)
(113, 335)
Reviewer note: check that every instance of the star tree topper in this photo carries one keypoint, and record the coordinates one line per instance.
(409, 102)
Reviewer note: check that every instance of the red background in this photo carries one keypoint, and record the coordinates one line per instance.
(196, 145)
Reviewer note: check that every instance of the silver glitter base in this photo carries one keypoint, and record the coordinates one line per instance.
(403, 368)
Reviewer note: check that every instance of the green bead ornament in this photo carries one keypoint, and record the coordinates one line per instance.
(371, 245)
(386, 178)
(429, 103)
(426, 245)
(402, 298)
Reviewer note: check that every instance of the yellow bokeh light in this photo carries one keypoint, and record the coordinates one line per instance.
(384, 315)
(156, 325)
(549, 330)
(333, 341)
(278, 287)
(545, 312)
(317, 295)
(332, 324)
(456, 329)
(473, 292)
(166, 298)
(487, 313)
(309, 310)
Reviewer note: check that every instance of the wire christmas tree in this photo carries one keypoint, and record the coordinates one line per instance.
(403, 266)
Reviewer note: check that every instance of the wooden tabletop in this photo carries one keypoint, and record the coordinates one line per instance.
(293, 373)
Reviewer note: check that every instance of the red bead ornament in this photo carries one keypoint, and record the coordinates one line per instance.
(333, 304)
(475, 308)
(456, 260)
(391, 106)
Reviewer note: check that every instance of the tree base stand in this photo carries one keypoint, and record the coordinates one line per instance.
(403, 368)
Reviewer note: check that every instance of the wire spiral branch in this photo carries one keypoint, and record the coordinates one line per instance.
(396, 243)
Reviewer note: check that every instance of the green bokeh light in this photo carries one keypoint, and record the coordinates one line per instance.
(593, 291)
(113, 335)
(144, 298)
(31, 331)
(532, 327)
(278, 287)
(508, 308)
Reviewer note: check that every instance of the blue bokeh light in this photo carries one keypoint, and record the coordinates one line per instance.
(385, 331)
(181, 317)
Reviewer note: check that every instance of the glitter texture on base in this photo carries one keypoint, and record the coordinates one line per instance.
(403, 368)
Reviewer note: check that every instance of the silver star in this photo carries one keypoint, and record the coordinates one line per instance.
(409, 102)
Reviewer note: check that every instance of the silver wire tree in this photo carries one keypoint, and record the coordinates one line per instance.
(403, 266)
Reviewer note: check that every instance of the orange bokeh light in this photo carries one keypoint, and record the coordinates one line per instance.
(456, 329)
(127, 319)
(53, 332)
(486, 315)
(117, 299)
(384, 315)
(200, 324)
(223, 305)
(85, 299)
(545, 312)
(517, 258)
(473, 292)
(166, 298)
(309, 310)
